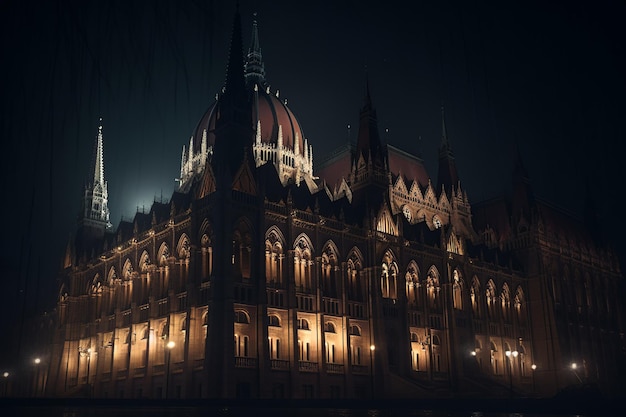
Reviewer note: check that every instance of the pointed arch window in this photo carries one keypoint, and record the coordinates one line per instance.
(520, 306)
(412, 284)
(206, 248)
(457, 290)
(353, 269)
(475, 297)
(490, 298)
(274, 257)
(303, 252)
(329, 270)
(389, 277)
(505, 300)
(432, 287)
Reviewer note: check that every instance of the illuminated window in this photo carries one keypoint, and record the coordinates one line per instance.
(303, 324)
(436, 222)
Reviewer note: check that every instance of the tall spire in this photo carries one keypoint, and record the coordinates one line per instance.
(444, 134)
(235, 82)
(448, 177)
(95, 209)
(234, 129)
(98, 175)
(254, 67)
(369, 144)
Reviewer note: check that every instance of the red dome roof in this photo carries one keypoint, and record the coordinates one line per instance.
(271, 112)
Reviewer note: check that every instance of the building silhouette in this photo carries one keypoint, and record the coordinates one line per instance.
(364, 278)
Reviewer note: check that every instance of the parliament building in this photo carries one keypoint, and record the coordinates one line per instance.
(264, 276)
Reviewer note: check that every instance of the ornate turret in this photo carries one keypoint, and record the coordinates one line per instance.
(95, 209)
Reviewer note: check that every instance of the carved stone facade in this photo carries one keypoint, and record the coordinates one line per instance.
(361, 281)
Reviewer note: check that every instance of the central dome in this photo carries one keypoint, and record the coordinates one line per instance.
(269, 113)
(278, 139)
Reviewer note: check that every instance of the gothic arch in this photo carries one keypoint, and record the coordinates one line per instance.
(432, 286)
(329, 266)
(519, 304)
(475, 297)
(144, 261)
(184, 247)
(354, 265)
(274, 255)
(303, 260)
(163, 254)
(505, 299)
(127, 270)
(389, 276)
(412, 283)
(458, 287)
(490, 298)
(111, 277)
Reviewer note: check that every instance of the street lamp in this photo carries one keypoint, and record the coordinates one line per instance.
(36, 362)
(5, 378)
(372, 349)
(574, 366)
(168, 353)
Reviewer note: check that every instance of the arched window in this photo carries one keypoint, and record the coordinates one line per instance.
(355, 330)
(475, 297)
(432, 287)
(303, 252)
(520, 306)
(206, 248)
(274, 244)
(412, 284)
(353, 269)
(303, 324)
(505, 299)
(457, 290)
(490, 298)
(330, 269)
(273, 320)
(163, 254)
(329, 327)
(389, 276)
(436, 222)
(242, 317)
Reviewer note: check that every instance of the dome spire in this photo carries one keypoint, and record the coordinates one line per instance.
(254, 68)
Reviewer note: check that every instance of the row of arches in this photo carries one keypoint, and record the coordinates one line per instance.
(487, 301)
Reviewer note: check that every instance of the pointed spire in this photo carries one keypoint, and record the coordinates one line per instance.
(98, 175)
(235, 82)
(447, 175)
(444, 134)
(254, 67)
(369, 144)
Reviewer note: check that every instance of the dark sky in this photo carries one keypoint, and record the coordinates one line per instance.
(547, 76)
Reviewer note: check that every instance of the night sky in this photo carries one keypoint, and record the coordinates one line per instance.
(547, 77)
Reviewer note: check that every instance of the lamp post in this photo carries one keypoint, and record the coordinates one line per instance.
(372, 349)
(574, 366)
(5, 378)
(534, 368)
(36, 363)
(508, 354)
(168, 353)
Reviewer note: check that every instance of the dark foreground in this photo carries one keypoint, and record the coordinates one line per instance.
(570, 406)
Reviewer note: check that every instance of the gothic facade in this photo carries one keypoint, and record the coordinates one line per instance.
(261, 278)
